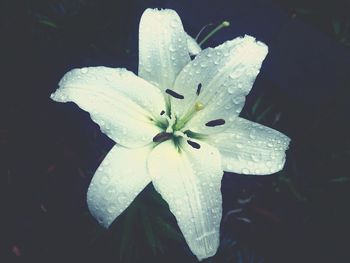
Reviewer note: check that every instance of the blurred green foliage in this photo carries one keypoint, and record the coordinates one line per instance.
(329, 16)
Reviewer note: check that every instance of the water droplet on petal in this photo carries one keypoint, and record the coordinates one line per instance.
(238, 100)
(174, 24)
(121, 199)
(228, 106)
(252, 136)
(231, 90)
(255, 157)
(245, 171)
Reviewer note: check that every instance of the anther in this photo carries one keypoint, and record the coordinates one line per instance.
(162, 112)
(214, 123)
(199, 89)
(174, 94)
(162, 136)
(194, 144)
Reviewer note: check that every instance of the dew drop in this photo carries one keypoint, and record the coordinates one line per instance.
(239, 145)
(228, 106)
(238, 100)
(252, 136)
(174, 24)
(121, 199)
(245, 171)
(231, 90)
(111, 209)
(234, 75)
(255, 157)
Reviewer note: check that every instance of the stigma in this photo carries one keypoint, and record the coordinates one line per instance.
(198, 106)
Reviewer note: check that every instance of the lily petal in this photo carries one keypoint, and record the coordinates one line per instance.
(189, 180)
(193, 47)
(250, 148)
(163, 50)
(226, 75)
(116, 101)
(117, 182)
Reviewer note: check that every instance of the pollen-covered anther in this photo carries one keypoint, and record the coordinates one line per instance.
(199, 88)
(162, 136)
(216, 122)
(194, 144)
(174, 94)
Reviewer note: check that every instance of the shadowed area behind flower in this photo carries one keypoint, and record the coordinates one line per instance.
(51, 151)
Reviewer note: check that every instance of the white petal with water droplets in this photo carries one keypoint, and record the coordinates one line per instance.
(227, 74)
(120, 178)
(250, 148)
(163, 50)
(121, 103)
(190, 181)
(193, 47)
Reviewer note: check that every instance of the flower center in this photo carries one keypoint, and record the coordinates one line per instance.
(173, 126)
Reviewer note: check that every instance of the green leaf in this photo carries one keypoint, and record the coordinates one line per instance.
(128, 231)
(48, 23)
(337, 27)
(167, 230)
(284, 179)
(340, 180)
(264, 113)
(256, 105)
(148, 228)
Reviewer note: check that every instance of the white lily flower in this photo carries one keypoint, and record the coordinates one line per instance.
(175, 125)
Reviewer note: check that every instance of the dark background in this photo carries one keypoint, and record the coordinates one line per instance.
(49, 151)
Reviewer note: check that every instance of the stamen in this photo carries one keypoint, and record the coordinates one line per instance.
(162, 136)
(214, 123)
(222, 25)
(162, 112)
(174, 94)
(194, 144)
(199, 89)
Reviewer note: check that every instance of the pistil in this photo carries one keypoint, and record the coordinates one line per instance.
(198, 106)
